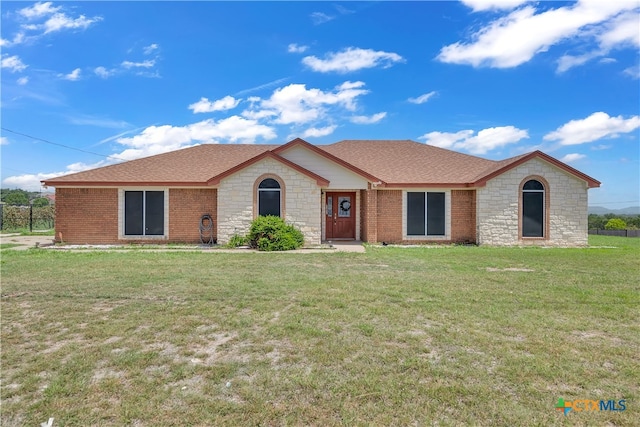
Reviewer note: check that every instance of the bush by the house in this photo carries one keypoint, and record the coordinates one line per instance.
(271, 233)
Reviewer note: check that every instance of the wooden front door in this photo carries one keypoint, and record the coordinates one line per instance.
(340, 216)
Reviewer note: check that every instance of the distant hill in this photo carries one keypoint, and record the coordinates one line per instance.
(599, 210)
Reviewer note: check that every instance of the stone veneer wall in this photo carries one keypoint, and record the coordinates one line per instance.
(236, 201)
(498, 207)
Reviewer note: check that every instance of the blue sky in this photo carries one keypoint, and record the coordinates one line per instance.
(102, 82)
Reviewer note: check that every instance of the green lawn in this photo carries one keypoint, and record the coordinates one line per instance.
(396, 336)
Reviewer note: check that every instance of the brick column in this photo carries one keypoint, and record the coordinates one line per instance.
(369, 221)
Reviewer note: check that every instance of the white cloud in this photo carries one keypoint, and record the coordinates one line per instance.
(567, 62)
(618, 33)
(144, 64)
(206, 106)
(23, 80)
(481, 5)
(622, 30)
(103, 72)
(44, 18)
(573, 157)
(422, 98)
(4, 140)
(72, 76)
(160, 139)
(13, 63)
(484, 141)
(597, 126)
(633, 71)
(446, 139)
(295, 48)
(320, 18)
(318, 132)
(60, 21)
(39, 10)
(17, 39)
(295, 104)
(30, 182)
(367, 120)
(352, 59)
(514, 39)
(148, 50)
(608, 61)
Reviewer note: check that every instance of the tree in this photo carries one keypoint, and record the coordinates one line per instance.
(633, 222)
(597, 221)
(16, 197)
(615, 224)
(40, 202)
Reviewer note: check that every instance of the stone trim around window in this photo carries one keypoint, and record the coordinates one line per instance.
(547, 199)
(283, 193)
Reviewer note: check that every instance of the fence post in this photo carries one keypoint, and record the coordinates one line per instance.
(1, 216)
(30, 218)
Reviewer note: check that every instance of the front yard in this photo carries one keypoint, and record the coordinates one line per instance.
(396, 336)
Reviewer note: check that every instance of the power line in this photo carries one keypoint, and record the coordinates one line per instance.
(613, 203)
(59, 145)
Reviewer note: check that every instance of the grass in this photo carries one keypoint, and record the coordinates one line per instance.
(26, 232)
(396, 336)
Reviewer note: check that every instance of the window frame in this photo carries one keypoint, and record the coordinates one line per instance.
(545, 207)
(122, 214)
(447, 215)
(257, 190)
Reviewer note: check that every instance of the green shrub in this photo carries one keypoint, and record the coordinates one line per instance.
(271, 233)
(237, 240)
(615, 224)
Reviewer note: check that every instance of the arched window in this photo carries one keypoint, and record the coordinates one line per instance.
(269, 197)
(533, 205)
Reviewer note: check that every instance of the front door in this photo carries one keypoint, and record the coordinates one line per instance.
(340, 216)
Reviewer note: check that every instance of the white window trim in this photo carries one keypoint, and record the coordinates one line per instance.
(121, 235)
(447, 214)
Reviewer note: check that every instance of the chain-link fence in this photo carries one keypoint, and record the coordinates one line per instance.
(22, 218)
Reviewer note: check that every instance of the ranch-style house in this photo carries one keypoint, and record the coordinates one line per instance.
(394, 191)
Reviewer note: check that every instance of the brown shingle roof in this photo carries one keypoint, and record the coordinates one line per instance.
(188, 166)
(394, 163)
(404, 162)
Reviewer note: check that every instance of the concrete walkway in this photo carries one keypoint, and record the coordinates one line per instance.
(28, 242)
(25, 242)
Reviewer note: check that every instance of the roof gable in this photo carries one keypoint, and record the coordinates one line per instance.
(511, 163)
(268, 154)
(313, 148)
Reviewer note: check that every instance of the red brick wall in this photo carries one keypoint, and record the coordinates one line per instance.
(186, 207)
(368, 215)
(389, 212)
(87, 215)
(463, 215)
(363, 216)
